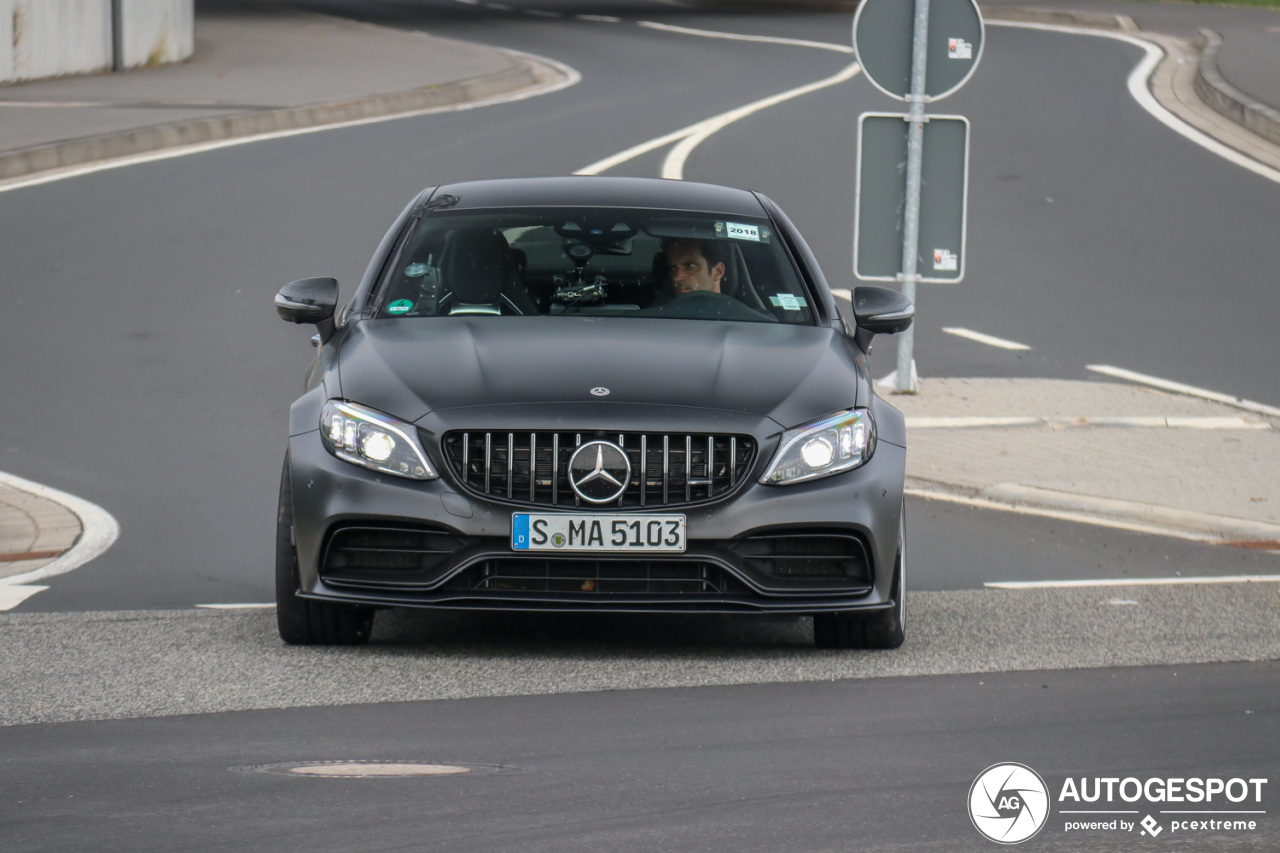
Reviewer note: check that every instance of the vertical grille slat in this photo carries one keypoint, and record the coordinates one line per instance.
(693, 467)
(644, 467)
(688, 468)
(488, 460)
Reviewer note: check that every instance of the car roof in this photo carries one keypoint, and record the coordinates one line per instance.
(593, 191)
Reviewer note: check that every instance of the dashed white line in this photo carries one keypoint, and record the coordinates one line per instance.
(989, 340)
(715, 34)
(1108, 582)
(599, 19)
(1189, 390)
(250, 606)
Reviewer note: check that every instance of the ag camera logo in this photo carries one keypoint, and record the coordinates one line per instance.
(1008, 803)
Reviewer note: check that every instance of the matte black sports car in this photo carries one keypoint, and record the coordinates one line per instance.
(602, 394)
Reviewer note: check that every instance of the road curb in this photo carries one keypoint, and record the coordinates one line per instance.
(525, 73)
(1226, 99)
(99, 531)
(1107, 512)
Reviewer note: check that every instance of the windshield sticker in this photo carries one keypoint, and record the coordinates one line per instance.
(400, 306)
(742, 231)
(788, 301)
(415, 270)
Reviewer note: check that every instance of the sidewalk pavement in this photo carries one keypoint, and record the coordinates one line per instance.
(258, 67)
(1098, 451)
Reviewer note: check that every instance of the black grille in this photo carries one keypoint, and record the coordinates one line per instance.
(667, 469)
(370, 551)
(596, 577)
(805, 555)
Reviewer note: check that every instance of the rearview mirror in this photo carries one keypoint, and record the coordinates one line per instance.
(882, 311)
(308, 300)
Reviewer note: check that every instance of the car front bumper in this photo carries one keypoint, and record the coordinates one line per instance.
(473, 566)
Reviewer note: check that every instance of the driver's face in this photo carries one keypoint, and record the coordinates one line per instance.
(688, 270)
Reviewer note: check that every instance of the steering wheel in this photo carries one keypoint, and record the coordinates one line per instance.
(714, 305)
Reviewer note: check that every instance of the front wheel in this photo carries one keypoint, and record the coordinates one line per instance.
(881, 629)
(304, 622)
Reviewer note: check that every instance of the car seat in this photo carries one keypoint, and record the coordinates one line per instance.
(481, 275)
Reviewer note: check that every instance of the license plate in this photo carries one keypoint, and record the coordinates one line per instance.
(613, 533)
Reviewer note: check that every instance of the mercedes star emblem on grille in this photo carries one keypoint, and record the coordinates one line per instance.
(600, 391)
(599, 472)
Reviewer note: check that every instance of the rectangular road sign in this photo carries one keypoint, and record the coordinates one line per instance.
(881, 198)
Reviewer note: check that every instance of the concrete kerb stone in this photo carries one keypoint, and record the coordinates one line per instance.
(1215, 91)
(524, 74)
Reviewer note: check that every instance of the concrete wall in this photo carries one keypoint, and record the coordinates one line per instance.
(48, 38)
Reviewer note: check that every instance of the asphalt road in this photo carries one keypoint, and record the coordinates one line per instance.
(154, 379)
(848, 765)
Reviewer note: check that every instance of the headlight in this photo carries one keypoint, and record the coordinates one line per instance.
(839, 442)
(362, 436)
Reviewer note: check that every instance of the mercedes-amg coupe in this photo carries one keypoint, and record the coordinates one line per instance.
(592, 394)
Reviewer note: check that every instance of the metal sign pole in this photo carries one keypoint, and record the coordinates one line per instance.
(906, 378)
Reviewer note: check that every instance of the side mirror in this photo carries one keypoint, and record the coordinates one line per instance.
(881, 311)
(308, 300)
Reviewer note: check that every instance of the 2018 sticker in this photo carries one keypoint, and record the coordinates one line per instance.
(400, 306)
(743, 231)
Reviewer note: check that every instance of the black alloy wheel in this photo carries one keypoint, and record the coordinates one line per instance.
(304, 622)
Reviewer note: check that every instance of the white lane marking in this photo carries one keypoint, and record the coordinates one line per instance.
(1142, 94)
(251, 606)
(12, 596)
(715, 34)
(1189, 390)
(692, 136)
(539, 13)
(842, 293)
(55, 105)
(571, 78)
(1106, 582)
(989, 340)
(969, 423)
(99, 531)
(599, 19)
(1156, 422)
(673, 166)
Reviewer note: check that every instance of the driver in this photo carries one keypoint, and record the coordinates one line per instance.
(694, 265)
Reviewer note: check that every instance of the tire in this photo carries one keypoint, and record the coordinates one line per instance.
(303, 622)
(881, 629)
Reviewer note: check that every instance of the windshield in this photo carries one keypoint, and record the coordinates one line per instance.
(594, 261)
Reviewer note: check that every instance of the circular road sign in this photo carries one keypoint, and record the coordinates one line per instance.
(883, 33)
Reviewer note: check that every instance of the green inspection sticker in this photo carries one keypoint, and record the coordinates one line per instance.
(400, 306)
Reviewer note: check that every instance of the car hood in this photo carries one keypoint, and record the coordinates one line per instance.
(409, 367)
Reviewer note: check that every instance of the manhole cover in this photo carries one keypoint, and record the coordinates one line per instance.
(368, 769)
